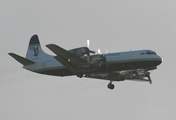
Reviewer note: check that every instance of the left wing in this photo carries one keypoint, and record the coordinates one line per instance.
(66, 55)
(69, 60)
(68, 65)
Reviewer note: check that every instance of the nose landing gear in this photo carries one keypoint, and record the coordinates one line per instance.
(110, 85)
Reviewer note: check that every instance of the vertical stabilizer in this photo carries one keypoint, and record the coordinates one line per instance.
(35, 51)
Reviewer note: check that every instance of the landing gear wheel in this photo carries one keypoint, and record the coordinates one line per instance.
(111, 86)
(80, 75)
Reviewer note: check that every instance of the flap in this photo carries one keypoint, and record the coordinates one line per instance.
(66, 64)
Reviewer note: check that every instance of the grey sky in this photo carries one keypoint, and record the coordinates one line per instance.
(114, 25)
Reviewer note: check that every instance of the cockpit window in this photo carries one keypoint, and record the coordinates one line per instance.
(150, 52)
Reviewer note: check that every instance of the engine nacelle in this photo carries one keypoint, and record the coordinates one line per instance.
(102, 64)
(80, 51)
(98, 61)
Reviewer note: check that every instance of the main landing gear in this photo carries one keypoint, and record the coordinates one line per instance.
(79, 74)
(149, 78)
(110, 85)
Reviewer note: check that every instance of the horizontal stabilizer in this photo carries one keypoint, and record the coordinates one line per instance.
(20, 59)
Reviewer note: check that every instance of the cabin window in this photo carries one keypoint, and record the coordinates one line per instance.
(142, 53)
(113, 54)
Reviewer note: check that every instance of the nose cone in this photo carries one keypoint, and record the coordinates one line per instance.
(159, 60)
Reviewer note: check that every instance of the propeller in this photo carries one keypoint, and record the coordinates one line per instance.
(88, 43)
(99, 51)
(106, 51)
(103, 56)
(89, 51)
(88, 46)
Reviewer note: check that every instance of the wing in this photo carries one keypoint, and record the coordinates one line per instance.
(67, 64)
(140, 75)
(66, 55)
(106, 76)
(69, 60)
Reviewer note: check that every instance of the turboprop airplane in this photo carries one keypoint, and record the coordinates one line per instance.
(83, 62)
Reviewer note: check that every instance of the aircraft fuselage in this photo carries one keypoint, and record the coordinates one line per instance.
(116, 61)
(118, 66)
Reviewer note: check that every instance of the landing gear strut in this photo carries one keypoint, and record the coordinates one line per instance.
(110, 85)
(147, 74)
(149, 78)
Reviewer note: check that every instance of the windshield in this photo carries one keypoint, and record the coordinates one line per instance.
(150, 52)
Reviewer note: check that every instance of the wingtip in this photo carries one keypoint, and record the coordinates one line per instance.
(50, 45)
(11, 53)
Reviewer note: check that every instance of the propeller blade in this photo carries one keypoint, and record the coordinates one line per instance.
(106, 51)
(88, 42)
(88, 46)
(91, 51)
(99, 51)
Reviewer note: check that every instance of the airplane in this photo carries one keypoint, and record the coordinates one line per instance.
(83, 62)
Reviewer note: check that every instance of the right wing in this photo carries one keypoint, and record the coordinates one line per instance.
(105, 76)
(134, 75)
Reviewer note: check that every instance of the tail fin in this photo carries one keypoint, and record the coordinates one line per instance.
(35, 51)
